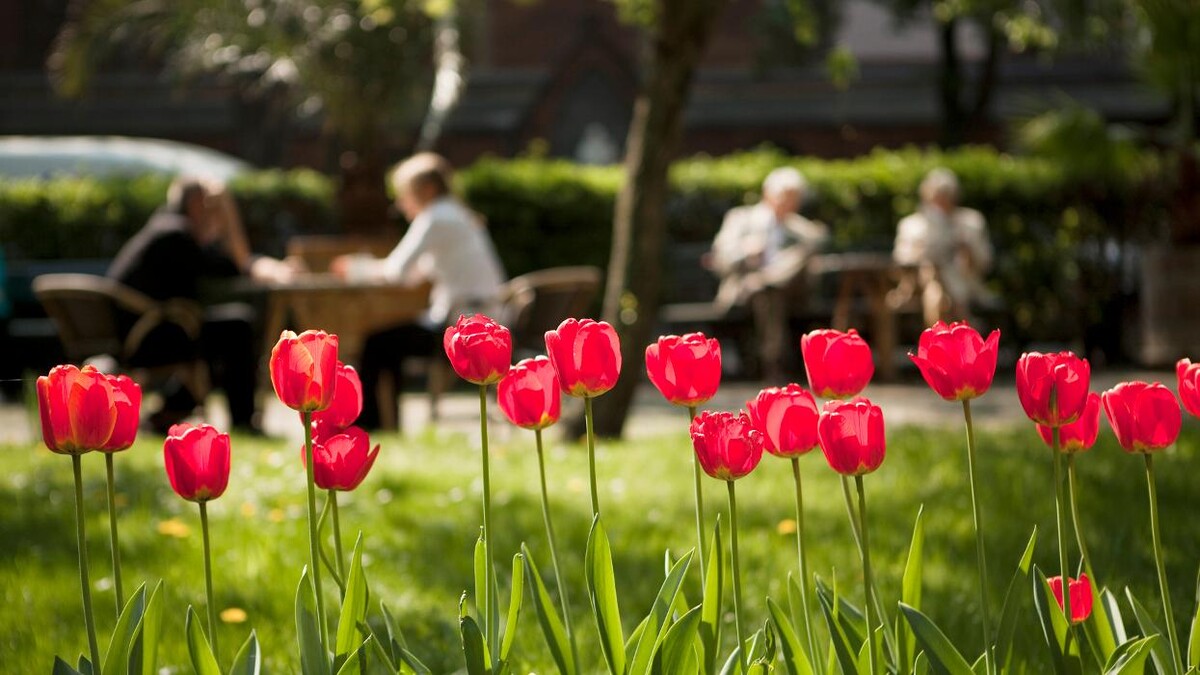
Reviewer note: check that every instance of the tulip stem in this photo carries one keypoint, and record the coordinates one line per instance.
(112, 529)
(980, 554)
(314, 539)
(329, 564)
(1168, 615)
(800, 549)
(591, 446)
(558, 577)
(84, 579)
(1060, 521)
(868, 580)
(1075, 520)
(856, 531)
(699, 501)
(208, 585)
(737, 577)
(491, 629)
(337, 535)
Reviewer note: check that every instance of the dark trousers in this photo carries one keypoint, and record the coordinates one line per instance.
(384, 354)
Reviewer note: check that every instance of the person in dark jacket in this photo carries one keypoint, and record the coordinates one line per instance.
(198, 235)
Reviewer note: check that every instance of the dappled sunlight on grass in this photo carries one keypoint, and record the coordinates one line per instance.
(420, 512)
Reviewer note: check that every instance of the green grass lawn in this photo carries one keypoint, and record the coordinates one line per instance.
(420, 510)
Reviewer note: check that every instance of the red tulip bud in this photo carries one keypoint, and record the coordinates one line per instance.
(1081, 596)
(1145, 417)
(529, 394)
(1079, 435)
(586, 355)
(479, 349)
(341, 461)
(197, 459)
(839, 365)
(851, 434)
(1053, 388)
(955, 360)
(727, 445)
(346, 405)
(127, 402)
(787, 418)
(685, 370)
(1188, 374)
(304, 369)
(78, 409)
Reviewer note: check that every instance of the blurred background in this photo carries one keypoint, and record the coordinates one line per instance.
(616, 133)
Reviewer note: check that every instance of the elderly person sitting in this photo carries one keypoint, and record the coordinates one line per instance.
(760, 253)
(950, 245)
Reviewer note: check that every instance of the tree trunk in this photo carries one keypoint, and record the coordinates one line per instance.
(950, 84)
(631, 297)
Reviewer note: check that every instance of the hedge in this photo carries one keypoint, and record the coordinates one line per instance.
(1058, 228)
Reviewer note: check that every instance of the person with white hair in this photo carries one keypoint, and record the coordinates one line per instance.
(760, 253)
(949, 244)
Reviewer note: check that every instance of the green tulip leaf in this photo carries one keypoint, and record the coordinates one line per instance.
(249, 658)
(354, 663)
(1115, 620)
(129, 624)
(944, 659)
(795, 660)
(143, 653)
(1161, 650)
(314, 660)
(710, 603)
(481, 586)
(475, 650)
(63, 668)
(1129, 658)
(515, 600)
(631, 642)
(547, 614)
(602, 591)
(910, 588)
(679, 646)
(845, 647)
(85, 666)
(658, 620)
(1010, 610)
(354, 605)
(1050, 615)
(203, 661)
(1193, 652)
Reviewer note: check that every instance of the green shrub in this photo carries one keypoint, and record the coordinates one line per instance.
(1058, 225)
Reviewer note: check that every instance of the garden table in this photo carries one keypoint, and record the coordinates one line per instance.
(870, 276)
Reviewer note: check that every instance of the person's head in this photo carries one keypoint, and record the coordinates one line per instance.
(187, 196)
(939, 189)
(420, 180)
(783, 190)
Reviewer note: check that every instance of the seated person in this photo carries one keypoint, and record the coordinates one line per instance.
(950, 245)
(447, 245)
(760, 254)
(196, 235)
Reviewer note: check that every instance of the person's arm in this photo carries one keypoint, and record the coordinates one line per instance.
(909, 248)
(399, 265)
(727, 253)
(974, 240)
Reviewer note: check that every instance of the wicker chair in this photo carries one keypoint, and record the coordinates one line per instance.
(537, 302)
(96, 316)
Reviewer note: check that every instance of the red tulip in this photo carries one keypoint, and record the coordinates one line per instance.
(851, 435)
(685, 370)
(529, 394)
(1053, 388)
(1188, 374)
(1081, 596)
(197, 459)
(586, 355)
(342, 461)
(479, 349)
(304, 369)
(787, 418)
(1145, 417)
(955, 360)
(127, 400)
(78, 409)
(346, 405)
(839, 365)
(727, 445)
(1079, 435)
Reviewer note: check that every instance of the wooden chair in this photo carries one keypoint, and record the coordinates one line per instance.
(97, 316)
(537, 302)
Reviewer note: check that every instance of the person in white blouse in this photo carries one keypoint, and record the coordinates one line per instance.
(950, 246)
(447, 245)
(760, 254)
